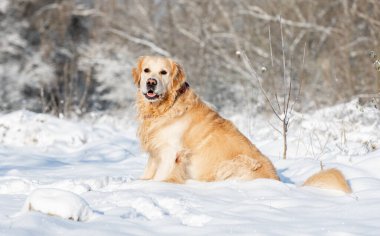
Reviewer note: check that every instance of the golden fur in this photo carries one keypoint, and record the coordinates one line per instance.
(329, 179)
(186, 139)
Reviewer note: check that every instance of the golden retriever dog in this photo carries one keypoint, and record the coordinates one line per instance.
(185, 138)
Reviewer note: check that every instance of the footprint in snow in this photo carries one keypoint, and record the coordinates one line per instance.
(153, 209)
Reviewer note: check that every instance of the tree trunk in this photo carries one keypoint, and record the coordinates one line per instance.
(284, 136)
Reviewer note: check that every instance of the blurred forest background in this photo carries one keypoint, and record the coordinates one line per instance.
(72, 57)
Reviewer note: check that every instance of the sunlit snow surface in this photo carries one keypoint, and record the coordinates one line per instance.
(95, 165)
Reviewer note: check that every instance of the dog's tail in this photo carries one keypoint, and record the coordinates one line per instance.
(329, 179)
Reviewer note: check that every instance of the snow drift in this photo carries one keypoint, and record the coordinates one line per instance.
(103, 171)
(61, 203)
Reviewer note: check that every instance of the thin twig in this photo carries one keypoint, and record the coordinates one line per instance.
(301, 79)
(261, 14)
(140, 41)
(279, 131)
(288, 100)
(252, 71)
(270, 46)
(283, 62)
(278, 103)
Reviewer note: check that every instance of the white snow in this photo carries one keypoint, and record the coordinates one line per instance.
(3, 6)
(64, 167)
(56, 202)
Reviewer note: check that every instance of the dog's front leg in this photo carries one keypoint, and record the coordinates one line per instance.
(150, 168)
(178, 174)
(166, 164)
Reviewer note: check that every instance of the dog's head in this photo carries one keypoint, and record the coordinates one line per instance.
(157, 77)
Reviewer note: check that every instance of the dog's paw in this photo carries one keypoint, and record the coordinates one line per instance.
(173, 181)
(145, 178)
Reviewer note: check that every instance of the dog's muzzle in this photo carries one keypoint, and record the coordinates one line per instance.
(151, 85)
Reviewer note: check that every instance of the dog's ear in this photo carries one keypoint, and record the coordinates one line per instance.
(136, 72)
(178, 73)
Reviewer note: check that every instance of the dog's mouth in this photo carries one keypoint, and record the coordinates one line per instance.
(151, 95)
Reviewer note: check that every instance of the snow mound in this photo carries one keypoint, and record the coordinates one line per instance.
(348, 128)
(56, 202)
(344, 130)
(25, 128)
(14, 186)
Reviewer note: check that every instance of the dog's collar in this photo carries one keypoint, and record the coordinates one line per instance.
(183, 89)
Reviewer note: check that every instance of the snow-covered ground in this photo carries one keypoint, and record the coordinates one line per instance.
(54, 170)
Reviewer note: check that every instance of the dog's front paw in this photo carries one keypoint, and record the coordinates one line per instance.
(145, 178)
(174, 180)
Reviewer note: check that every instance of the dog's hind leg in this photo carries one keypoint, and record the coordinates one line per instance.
(241, 167)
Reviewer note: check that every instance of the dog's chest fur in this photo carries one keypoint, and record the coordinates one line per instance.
(164, 141)
(170, 136)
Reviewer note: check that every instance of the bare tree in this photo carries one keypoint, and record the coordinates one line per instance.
(281, 109)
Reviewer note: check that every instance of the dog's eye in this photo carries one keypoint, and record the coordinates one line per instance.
(146, 70)
(163, 72)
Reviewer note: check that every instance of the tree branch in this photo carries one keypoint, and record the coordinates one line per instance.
(136, 40)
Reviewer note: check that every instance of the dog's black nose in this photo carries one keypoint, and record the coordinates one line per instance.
(151, 83)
